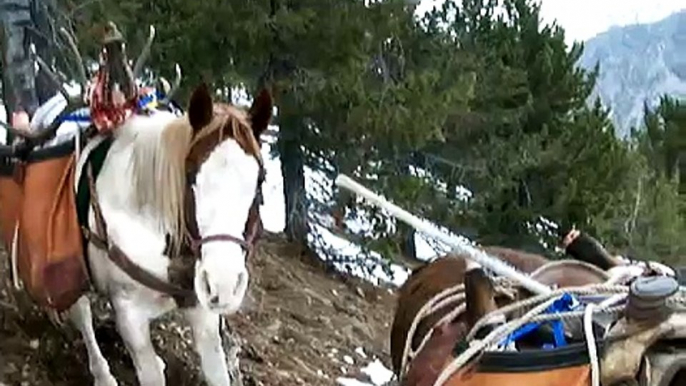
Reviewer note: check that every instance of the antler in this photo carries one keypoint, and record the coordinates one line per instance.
(168, 89)
(54, 77)
(80, 68)
(33, 138)
(176, 84)
(143, 57)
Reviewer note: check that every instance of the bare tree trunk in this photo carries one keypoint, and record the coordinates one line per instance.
(289, 141)
(293, 170)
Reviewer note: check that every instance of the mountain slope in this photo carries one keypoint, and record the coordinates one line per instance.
(638, 63)
(302, 323)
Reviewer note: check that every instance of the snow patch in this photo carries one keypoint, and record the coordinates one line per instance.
(378, 373)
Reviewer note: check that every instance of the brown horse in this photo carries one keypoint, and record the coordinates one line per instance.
(480, 298)
(428, 281)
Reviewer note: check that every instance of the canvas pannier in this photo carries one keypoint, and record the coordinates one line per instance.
(38, 220)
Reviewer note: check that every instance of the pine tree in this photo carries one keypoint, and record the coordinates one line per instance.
(528, 146)
(664, 139)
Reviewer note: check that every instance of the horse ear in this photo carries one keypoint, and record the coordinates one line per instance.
(200, 108)
(261, 113)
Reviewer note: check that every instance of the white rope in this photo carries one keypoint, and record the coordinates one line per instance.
(510, 308)
(442, 299)
(490, 339)
(450, 316)
(591, 344)
(533, 315)
(427, 309)
(455, 294)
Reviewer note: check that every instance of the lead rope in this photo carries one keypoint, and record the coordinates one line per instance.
(13, 258)
(444, 298)
(591, 344)
(479, 346)
(533, 315)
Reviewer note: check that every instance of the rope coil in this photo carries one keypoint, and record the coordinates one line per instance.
(535, 307)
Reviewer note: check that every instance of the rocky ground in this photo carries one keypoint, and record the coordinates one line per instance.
(302, 324)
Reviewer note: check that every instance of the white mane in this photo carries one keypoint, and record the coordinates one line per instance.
(158, 154)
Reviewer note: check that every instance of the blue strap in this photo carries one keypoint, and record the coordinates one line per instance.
(149, 99)
(77, 116)
(559, 333)
(149, 102)
(565, 303)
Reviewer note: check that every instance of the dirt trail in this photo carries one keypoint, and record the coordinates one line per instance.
(299, 322)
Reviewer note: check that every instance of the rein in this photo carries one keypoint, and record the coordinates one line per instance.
(190, 247)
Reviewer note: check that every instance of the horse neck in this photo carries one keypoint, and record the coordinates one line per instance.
(117, 190)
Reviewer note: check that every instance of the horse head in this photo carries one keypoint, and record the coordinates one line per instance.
(224, 172)
(200, 179)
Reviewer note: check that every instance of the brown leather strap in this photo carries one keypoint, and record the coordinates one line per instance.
(119, 257)
(253, 227)
(144, 277)
(197, 244)
(101, 240)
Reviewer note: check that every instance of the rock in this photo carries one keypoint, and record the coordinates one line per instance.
(301, 318)
(324, 321)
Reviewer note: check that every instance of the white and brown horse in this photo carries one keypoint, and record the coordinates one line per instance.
(175, 186)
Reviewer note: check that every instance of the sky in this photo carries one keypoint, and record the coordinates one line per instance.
(583, 19)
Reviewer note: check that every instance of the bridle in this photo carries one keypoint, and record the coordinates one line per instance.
(192, 242)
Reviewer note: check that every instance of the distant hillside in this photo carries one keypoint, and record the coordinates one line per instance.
(638, 63)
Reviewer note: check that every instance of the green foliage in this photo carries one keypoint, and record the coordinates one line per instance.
(660, 214)
(528, 146)
(528, 111)
(663, 141)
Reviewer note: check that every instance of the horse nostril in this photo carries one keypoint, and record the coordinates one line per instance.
(214, 300)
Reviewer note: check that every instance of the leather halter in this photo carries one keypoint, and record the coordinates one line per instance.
(191, 245)
(193, 242)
